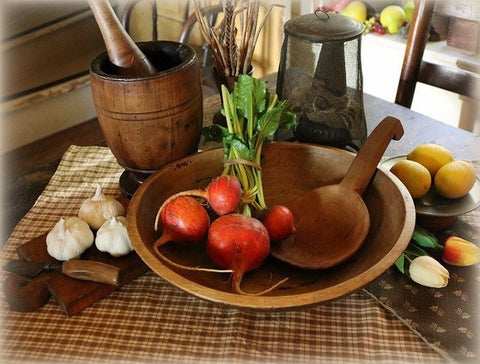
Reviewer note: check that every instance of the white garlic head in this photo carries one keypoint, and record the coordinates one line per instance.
(69, 238)
(97, 209)
(112, 237)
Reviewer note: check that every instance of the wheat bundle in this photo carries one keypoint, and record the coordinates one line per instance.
(233, 40)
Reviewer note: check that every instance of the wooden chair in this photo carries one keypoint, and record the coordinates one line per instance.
(213, 12)
(189, 22)
(415, 69)
(126, 13)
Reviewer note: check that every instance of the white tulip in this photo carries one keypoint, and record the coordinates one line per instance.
(428, 272)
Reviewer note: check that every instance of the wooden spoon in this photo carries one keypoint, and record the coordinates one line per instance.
(121, 49)
(332, 221)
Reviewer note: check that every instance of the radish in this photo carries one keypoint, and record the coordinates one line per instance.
(240, 243)
(279, 222)
(236, 243)
(223, 194)
(183, 219)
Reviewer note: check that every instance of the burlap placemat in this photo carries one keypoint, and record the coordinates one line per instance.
(150, 320)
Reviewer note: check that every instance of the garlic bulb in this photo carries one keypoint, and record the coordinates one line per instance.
(112, 237)
(69, 238)
(97, 209)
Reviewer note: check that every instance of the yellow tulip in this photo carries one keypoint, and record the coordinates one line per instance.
(461, 252)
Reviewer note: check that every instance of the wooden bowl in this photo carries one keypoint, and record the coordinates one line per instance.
(289, 169)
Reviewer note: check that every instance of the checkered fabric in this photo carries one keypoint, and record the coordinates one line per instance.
(149, 320)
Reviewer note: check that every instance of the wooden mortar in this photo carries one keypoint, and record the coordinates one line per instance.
(149, 121)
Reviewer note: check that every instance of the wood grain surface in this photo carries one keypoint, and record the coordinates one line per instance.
(27, 170)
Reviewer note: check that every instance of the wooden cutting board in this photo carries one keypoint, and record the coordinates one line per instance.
(74, 295)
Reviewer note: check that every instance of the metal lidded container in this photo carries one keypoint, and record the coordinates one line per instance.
(320, 74)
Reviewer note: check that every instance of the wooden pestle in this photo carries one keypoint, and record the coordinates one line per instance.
(121, 49)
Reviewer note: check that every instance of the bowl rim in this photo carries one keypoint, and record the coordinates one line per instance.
(271, 302)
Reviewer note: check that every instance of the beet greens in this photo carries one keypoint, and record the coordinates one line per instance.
(253, 114)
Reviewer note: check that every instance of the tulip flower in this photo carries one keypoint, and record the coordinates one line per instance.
(428, 272)
(461, 252)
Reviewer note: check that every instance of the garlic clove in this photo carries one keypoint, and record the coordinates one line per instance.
(97, 209)
(69, 238)
(112, 237)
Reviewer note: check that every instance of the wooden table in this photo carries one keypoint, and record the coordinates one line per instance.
(421, 129)
(28, 169)
(149, 320)
(418, 128)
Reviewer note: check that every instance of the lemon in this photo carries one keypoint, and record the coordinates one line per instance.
(414, 176)
(455, 179)
(432, 156)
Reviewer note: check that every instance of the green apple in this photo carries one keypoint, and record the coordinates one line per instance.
(392, 18)
(356, 10)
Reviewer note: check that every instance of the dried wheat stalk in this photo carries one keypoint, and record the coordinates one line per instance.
(233, 41)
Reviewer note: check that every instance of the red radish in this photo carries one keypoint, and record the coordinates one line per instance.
(279, 222)
(240, 243)
(223, 194)
(183, 219)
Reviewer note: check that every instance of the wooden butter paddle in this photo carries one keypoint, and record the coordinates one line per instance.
(332, 221)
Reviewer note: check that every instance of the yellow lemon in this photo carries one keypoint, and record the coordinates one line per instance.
(414, 176)
(455, 179)
(432, 156)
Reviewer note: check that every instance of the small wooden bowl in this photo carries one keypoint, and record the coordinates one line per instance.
(289, 169)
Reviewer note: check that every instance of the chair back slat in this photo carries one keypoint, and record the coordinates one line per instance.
(415, 69)
(451, 79)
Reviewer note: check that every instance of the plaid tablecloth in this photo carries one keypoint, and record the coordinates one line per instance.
(150, 320)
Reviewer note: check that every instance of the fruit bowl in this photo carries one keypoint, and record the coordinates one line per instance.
(436, 212)
(289, 169)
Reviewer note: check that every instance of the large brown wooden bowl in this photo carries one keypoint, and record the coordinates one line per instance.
(289, 169)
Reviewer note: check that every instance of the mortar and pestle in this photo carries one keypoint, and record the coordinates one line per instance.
(148, 99)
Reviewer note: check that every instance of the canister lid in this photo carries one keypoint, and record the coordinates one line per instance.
(323, 27)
